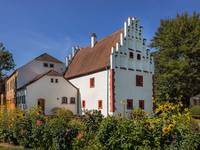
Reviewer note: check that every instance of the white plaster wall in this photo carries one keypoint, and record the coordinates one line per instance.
(125, 79)
(92, 95)
(52, 93)
(125, 88)
(34, 68)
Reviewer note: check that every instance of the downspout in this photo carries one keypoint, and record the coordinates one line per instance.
(107, 68)
(78, 102)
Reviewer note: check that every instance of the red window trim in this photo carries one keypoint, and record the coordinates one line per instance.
(129, 105)
(100, 104)
(83, 104)
(141, 104)
(92, 82)
(139, 80)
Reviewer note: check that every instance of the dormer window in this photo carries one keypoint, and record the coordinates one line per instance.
(51, 65)
(45, 65)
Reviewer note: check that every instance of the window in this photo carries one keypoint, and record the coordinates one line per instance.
(51, 80)
(139, 80)
(64, 100)
(56, 80)
(138, 57)
(83, 104)
(92, 82)
(131, 55)
(141, 104)
(129, 104)
(72, 100)
(100, 106)
(23, 99)
(45, 65)
(51, 65)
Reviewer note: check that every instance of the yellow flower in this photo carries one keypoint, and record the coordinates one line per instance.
(166, 130)
(171, 126)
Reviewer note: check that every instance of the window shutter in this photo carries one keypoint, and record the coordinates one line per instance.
(139, 80)
(92, 82)
(141, 104)
(83, 103)
(100, 106)
(129, 104)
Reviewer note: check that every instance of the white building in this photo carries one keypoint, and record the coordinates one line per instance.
(37, 66)
(115, 74)
(40, 82)
(49, 90)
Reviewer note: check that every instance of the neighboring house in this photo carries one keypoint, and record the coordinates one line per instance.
(2, 92)
(195, 100)
(115, 74)
(49, 90)
(28, 72)
(10, 87)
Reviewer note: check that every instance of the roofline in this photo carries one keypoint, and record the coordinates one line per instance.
(88, 73)
(7, 78)
(70, 83)
(42, 75)
(59, 62)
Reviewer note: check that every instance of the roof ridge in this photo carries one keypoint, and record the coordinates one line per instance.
(107, 36)
(38, 77)
(89, 59)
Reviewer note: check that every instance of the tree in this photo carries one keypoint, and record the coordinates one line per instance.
(6, 61)
(177, 57)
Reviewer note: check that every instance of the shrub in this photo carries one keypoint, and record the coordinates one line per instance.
(195, 110)
(92, 120)
(62, 112)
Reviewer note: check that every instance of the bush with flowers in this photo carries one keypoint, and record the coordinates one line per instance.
(168, 127)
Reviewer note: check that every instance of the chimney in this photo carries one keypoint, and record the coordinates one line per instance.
(93, 39)
(67, 61)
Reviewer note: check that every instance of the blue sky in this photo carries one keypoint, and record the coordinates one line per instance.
(29, 28)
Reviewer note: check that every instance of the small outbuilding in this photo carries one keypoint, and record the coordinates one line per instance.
(48, 91)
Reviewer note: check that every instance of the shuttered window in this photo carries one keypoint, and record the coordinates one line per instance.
(129, 104)
(141, 104)
(139, 80)
(83, 104)
(100, 105)
(92, 82)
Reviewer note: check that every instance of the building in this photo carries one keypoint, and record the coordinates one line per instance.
(115, 74)
(49, 90)
(2, 92)
(25, 74)
(10, 92)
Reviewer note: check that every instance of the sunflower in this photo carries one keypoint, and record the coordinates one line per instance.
(171, 126)
(166, 130)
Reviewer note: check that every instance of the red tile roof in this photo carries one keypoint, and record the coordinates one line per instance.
(89, 59)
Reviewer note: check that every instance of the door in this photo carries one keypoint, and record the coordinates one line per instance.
(41, 104)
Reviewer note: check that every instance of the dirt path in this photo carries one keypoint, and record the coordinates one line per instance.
(9, 146)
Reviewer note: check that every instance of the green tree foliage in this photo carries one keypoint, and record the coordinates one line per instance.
(6, 60)
(177, 59)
